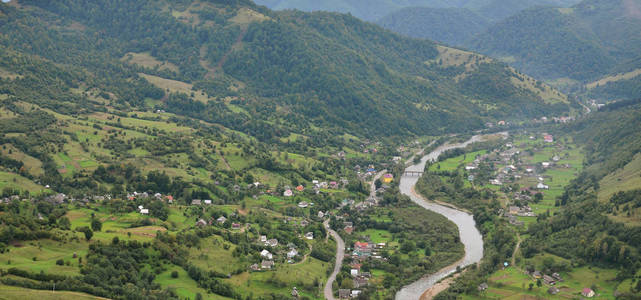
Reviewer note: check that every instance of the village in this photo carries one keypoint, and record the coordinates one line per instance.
(521, 173)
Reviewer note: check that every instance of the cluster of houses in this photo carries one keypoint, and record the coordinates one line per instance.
(511, 169)
(220, 221)
(290, 251)
(553, 279)
(550, 280)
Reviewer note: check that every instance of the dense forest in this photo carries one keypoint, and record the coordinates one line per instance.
(582, 42)
(320, 69)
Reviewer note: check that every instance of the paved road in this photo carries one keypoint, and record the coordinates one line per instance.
(372, 187)
(340, 254)
(340, 245)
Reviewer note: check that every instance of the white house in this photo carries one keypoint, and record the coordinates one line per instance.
(309, 235)
(288, 193)
(542, 186)
(292, 253)
(266, 254)
(144, 211)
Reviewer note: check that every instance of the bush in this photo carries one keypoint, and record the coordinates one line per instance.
(60, 262)
(174, 274)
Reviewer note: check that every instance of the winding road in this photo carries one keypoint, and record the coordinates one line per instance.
(340, 244)
(469, 234)
(340, 254)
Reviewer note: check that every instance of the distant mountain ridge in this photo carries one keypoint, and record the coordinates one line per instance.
(581, 43)
(453, 26)
(373, 10)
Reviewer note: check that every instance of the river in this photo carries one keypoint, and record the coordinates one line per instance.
(469, 234)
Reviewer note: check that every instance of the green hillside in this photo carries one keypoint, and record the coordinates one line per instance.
(623, 83)
(581, 43)
(321, 69)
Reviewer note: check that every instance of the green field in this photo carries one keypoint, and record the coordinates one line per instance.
(184, 286)
(18, 293)
(513, 283)
(453, 163)
(18, 182)
(210, 253)
(377, 235)
(46, 253)
(285, 275)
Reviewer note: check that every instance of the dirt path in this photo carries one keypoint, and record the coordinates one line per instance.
(224, 160)
(516, 249)
(305, 257)
(212, 71)
(236, 44)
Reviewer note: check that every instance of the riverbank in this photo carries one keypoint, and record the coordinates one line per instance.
(440, 286)
(468, 233)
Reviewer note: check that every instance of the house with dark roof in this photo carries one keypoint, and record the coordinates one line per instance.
(267, 264)
(344, 293)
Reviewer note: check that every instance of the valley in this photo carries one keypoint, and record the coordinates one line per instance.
(219, 149)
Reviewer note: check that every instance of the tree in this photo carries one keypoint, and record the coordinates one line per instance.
(159, 210)
(64, 223)
(87, 231)
(96, 225)
(538, 197)
(530, 286)
(174, 274)
(408, 246)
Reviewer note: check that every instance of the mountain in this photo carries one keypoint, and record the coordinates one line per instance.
(623, 83)
(374, 10)
(450, 22)
(580, 43)
(452, 26)
(329, 70)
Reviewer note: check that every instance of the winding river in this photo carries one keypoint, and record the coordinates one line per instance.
(469, 234)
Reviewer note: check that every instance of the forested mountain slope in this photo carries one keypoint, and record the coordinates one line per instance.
(329, 70)
(580, 43)
(456, 24)
(452, 26)
(623, 82)
(205, 89)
